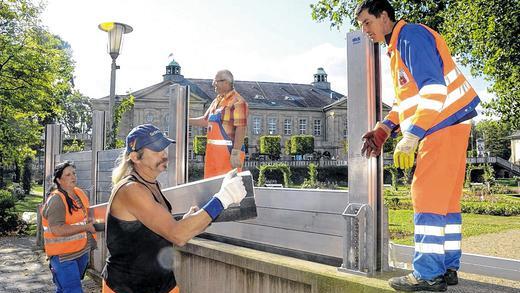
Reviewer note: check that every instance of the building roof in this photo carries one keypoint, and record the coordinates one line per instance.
(257, 94)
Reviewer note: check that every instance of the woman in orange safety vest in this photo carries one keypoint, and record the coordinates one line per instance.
(68, 236)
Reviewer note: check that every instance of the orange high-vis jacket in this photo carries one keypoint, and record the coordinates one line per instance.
(441, 97)
(59, 245)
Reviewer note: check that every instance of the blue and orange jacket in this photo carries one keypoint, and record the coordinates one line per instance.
(431, 92)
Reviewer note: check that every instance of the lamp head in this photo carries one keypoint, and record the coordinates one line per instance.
(115, 32)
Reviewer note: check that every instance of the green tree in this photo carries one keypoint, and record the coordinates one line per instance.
(482, 34)
(76, 116)
(494, 132)
(121, 108)
(35, 71)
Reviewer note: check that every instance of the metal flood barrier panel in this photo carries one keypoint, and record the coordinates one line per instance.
(302, 223)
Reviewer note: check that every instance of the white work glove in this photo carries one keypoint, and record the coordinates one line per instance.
(404, 153)
(232, 189)
(235, 159)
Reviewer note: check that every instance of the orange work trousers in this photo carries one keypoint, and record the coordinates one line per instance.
(440, 170)
(107, 289)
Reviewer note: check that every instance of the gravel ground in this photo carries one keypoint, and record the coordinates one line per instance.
(487, 244)
(24, 269)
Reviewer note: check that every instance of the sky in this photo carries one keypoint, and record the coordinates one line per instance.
(265, 40)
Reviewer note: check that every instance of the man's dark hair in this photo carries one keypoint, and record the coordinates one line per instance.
(376, 7)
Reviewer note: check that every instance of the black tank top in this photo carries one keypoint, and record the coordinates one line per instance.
(138, 260)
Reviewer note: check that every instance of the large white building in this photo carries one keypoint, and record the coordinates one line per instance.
(275, 108)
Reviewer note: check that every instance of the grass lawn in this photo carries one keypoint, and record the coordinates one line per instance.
(401, 225)
(30, 204)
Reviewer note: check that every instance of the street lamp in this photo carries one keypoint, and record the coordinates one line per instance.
(115, 32)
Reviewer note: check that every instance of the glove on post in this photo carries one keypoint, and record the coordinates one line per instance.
(404, 154)
(235, 159)
(373, 140)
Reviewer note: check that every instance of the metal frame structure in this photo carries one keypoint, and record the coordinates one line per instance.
(341, 228)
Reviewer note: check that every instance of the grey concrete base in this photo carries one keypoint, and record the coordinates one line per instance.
(208, 266)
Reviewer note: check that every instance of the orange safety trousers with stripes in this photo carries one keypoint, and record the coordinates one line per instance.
(440, 170)
(218, 148)
(107, 289)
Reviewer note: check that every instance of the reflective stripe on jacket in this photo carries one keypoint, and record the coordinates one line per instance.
(59, 245)
(431, 92)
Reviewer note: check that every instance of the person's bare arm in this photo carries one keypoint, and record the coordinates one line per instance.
(240, 133)
(139, 202)
(199, 121)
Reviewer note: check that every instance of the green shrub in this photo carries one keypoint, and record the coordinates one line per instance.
(9, 221)
(279, 170)
(199, 145)
(487, 208)
(501, 189)
(300, 145)
(311, 182)
(270, 145)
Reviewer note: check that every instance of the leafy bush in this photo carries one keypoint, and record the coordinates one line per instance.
(501, 189)
(270, 145)
(487, 208)
(9, 221)
(17, 191)
(267, 170)
(311, 182)
(199, 145)
(300, 145)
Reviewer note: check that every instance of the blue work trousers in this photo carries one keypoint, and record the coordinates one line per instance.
(67, 275)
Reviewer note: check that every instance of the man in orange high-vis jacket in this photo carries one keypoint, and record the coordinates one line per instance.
(433, 107)
(226, 120)
(68, 236)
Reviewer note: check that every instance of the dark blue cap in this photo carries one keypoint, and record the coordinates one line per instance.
(146, 136)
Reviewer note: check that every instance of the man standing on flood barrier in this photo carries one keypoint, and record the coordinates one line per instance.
(226, 119)
(434, 103)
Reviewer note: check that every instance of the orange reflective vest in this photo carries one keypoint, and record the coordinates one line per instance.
(219, 144)
(443, 97)
(59, 245)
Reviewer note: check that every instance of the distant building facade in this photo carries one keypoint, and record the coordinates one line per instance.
(276, 108)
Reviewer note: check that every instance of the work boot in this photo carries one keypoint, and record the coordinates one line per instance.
(451, 277)
(409, 283)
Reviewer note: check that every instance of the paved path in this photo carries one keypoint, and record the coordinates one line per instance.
(25, 270)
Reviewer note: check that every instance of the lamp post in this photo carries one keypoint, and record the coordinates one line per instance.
(115, 32)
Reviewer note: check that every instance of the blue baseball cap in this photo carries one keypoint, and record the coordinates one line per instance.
(146, 136)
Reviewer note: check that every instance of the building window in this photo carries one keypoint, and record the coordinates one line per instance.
(148, 118)
(345, 129)
(287, 127)
(257, 125)
(271, 125)
(190, 129)
(303, 126)
(317, 127)
(204, 130)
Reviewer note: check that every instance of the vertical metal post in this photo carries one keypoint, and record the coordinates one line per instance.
(365, 175)
(177, 155)
(112, 97)
(53, 141)
(98, 144)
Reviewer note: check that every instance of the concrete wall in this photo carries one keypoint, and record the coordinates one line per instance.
(208, 266)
